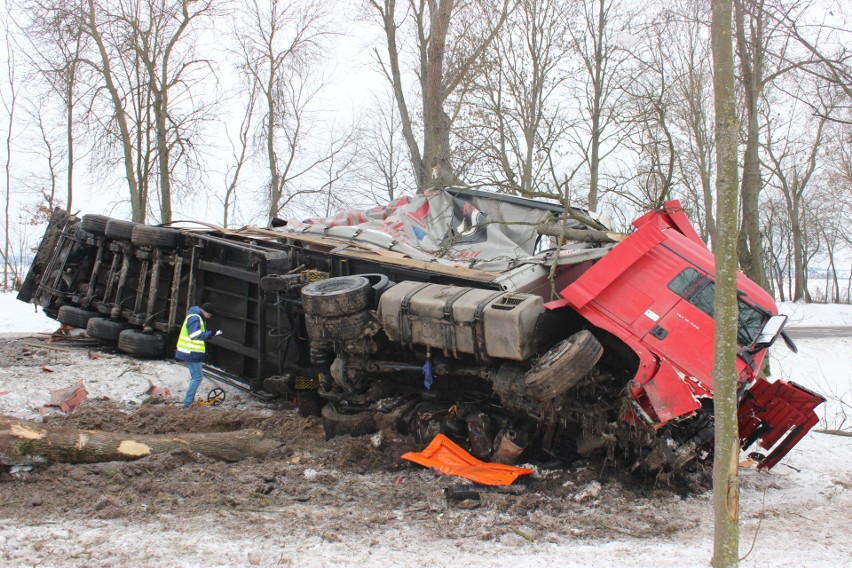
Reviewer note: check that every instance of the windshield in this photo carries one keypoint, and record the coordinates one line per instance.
(697, 289)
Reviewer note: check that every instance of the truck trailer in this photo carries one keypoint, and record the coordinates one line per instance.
(518, 328)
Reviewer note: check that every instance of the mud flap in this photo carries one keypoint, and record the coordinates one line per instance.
(777, 415)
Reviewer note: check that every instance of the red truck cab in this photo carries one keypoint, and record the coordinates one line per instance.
(654, 291)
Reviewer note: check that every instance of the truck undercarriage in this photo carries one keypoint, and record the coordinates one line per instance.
(457, 312)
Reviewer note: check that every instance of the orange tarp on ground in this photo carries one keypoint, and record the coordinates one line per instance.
(447, 457)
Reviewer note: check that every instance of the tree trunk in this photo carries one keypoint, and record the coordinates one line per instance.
(436, 124)
(137, 203)
(24, 442)
(597, 86)
(751, 64)
(726, 448)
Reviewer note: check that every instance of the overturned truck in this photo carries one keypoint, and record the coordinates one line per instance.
(517, 328)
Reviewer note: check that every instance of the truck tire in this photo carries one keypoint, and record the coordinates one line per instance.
(75, 317)
(119, 230)
(106, 330)
(336, 424)
(340, 296)
(95, 223)
(379, 283)
(150, 236)
(343, 328)
(143, 345)
(562, 367)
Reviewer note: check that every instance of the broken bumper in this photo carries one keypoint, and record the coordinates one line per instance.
(776, 416)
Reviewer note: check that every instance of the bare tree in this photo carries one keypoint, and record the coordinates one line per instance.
(450, 40)
(9, 98)
(792, 164)
(646, 120)
(278, 44)
(55, 31)
(160, 41)
(689, 53)
(381, 170)
(516, 115)
(726, 444)
(130, 151)
(240, 154)
(603, 59)
(145, 62)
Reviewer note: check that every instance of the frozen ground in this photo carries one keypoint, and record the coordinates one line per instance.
(346, 502)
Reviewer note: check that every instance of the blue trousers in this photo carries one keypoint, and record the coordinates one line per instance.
(195, 376)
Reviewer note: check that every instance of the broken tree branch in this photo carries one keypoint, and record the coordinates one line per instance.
(835, 432)
(589, 236)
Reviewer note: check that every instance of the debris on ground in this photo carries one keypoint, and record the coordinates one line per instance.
(446, 457)
(155, 391)
(68, 398)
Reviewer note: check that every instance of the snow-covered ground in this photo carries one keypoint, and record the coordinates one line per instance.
(796, 515)
(816, 315)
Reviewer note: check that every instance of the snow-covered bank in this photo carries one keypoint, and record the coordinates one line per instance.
(816, 315)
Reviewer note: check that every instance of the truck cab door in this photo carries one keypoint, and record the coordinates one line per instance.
(685, 333)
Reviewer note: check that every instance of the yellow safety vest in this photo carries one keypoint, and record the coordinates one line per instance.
(185, 343)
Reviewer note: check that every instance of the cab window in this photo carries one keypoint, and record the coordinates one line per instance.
(697, 289)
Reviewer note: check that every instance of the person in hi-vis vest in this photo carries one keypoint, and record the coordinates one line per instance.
(191, 346)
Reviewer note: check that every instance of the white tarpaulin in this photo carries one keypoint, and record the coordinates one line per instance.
(456, 228)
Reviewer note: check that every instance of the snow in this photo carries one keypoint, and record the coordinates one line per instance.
(795, 515)
(800, 314)
(17, 316)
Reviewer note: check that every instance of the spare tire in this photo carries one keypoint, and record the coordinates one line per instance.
(139, 344)
(379, 283)
(75, 317)
(95, 223)
(336, 424)
(562, 367)
(151, 236)
(119, 229)
(106, 330)
(340, 296)
(343, 328)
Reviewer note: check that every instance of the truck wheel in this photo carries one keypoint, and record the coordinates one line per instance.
(139, 344)
(336, 424)
(106, 330)
(563, 366)
(338, 296)
(379, 283)
(119, 229)
(150, 236)
(343, 328)
(95, 223)
(74, 316)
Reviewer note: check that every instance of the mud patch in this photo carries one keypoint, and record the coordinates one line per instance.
(343, 485)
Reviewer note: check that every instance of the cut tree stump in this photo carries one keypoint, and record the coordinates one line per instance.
(28, 442)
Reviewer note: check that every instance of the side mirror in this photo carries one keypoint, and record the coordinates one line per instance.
(770, 332)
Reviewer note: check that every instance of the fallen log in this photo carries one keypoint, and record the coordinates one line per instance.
(28, 442)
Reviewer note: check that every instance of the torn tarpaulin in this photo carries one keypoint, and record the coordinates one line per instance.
(447, 457)
(68, 398)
